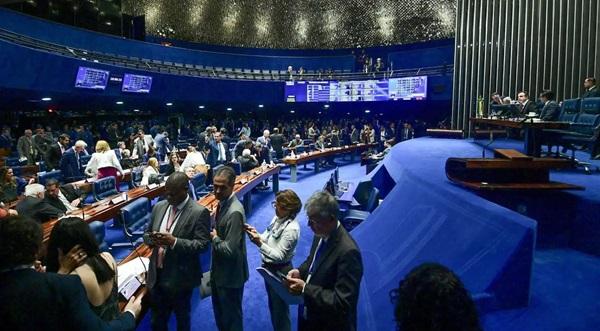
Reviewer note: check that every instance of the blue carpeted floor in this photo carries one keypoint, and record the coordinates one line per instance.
(565, 287)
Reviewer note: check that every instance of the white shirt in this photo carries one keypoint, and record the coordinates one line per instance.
(102, 160)
(192, 160)
(165, 220)
(146, 175)
(279, 241)
(222, 156)
(64, 201)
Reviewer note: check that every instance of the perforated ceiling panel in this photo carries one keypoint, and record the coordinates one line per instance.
(297, 23)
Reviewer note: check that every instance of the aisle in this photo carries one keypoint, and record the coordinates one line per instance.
(255, 306)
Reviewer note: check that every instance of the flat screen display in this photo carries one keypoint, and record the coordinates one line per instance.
(405, 88)
(90, 78)
(136, 83)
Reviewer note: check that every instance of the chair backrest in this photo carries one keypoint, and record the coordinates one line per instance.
(104, 187)
(44, 176)
(99, 231)
(163, 168)
(136, 215)
(11, 161)
(199, 182)
(569, 110)
(136, 177)
(237, 167)
(84, 159)
(373, 201)
(590, 111)
(363, 192)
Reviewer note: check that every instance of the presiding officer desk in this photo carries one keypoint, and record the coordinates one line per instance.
(244, 183)
(316, 155)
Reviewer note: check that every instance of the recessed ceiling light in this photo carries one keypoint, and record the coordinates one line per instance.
(108, 23)
(169, 104)
(367, 111)
(119, 102)
(261, 106)
(46, 99)
(201, 107)
(136, 110)
(291, 111)
(326, 106)
(229, 109)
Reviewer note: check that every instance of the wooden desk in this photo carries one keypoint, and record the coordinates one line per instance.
(315, 156)
(511, 170)
(532, 130)
(244, 184)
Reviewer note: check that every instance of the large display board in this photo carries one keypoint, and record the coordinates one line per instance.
(404, 88)
(136, 83)
(90, 78)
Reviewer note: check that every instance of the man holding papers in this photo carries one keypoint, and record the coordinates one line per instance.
(329, 279)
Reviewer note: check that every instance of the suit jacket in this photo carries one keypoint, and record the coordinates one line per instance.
(37, 209)
(277, 142)
(213, 156)
(229, 265)
(530, 107)
(550, 111)
(181, 268)
(331, 295)
(53, 156)
(70, 166)
(25, 148)
(593, 93)
(70, 193)
(48, 301)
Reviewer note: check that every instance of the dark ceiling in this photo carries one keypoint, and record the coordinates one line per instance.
(297, 24)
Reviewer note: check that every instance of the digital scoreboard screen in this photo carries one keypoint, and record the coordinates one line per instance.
(136, 83)
(405, 88)
(89, 78)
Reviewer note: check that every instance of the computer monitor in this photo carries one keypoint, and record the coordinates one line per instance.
(505, 111)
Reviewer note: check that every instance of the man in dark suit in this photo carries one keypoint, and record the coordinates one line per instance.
(35, 300)
(277, 142)
(527, 106)
(551, 110)
(591, 90)
(219, 152)
(34, 207)
(229, 270)
(329, 279)
(70, 164)
(178, 233)
(64, 198)
(55, 152)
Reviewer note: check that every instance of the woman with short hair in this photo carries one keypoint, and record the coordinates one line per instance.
(277, 245)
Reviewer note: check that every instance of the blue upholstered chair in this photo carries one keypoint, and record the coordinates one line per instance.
(135, 217)
(46, 175)
(104, 188)
(84, 159)
(163, 168)
(12, 162)
(237, 167)
(136, 177)
(198, 183)
(99, 232)
(354, 216)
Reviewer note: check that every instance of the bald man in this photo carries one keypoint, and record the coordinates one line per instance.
(178, 233)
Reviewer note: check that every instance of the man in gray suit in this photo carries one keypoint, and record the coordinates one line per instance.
(25, 147)
(229, 270)
(178, 233)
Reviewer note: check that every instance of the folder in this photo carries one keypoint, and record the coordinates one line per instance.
(277, 285)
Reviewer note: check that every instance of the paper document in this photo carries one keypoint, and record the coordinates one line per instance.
(133, 267)
(276, 284)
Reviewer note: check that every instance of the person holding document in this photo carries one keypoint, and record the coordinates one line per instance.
(277, 245)
(329, 278)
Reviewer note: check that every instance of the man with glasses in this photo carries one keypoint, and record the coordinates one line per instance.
(329, 279)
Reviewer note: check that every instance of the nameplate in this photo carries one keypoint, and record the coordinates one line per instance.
(116, 200)
(243, 181)
(152, 186)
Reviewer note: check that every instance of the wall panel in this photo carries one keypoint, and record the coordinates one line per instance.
(513, 45)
